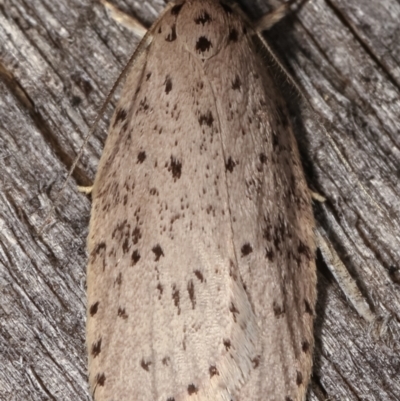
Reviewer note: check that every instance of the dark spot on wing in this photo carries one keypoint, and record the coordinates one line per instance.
(175, 10)
(203, 18)
(175, 168)
(236, 84)
(157, 250)
(213, 371)
(192, 389)
(199, 275)
(304, 250)
(308, 308)
(190, 288)
(96, 348)
(176, 298)
(233, 35)
(206, 119)
(305, 346)
(227, 344)
(230, 164)
(141, 157)
(145, 365)
(246, 249)
(299, 378)
(120, 116)
(168, 84)
(135, 257)
(94, 308)
(121, 313)
(263, 158)
(256, 362)
(203, 44)
(233, 310)
(118, 280)
(172, 35)
(278, 309)
(101, 379)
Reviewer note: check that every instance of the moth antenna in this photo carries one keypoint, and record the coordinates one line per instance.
(268, 21)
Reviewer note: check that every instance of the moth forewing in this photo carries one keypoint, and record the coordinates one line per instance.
(201, 278)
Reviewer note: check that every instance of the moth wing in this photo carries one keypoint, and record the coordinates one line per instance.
(201, 279)
(163, 298)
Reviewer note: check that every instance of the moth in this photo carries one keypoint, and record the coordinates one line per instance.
(201, 276)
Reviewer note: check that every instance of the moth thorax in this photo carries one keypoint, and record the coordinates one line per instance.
(203, 26)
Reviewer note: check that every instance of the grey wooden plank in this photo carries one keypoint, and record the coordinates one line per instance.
(57, 62)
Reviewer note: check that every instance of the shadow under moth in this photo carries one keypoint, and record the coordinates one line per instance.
(201, 277)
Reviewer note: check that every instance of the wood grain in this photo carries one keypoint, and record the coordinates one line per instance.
(57, 62)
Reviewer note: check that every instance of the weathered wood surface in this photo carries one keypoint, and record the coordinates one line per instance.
(58, 59)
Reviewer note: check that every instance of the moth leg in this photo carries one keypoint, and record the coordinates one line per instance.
(317, 196)
(124, 19)
(85, 190)
(346, 283)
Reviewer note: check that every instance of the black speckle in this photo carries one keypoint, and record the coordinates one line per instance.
(136, 235)
(176, 168)
(394, 274)
(233, 310)
(101, 379)
(118, 280)
(190, 288)
(141, 157)
(206, 119)
(263, 158)
(172, 35)
(96, 348)
(233, 35)
(305, 346)
(168, 84)
(160, 288)
(192, 389)
(256, 362)
(305, 250)
(246, 249)
(94, 308)
(199, 275)
(165, 361)
(227, 344)
(299, 378)
(145, 365)
(308, 307)
(230, 164)
(120, 116)
(175, 10)
(269, 254)
(135, 257)
(121, 313)
(203, 18)
(203, 44)
(236, 84)
(288, 399)
(176, 298)
(226, 8)
(157, 250)
(213, 371)
(148, 75)
(171, 399)
(278, 310)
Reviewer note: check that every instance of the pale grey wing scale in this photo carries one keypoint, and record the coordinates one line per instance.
(201, 281)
